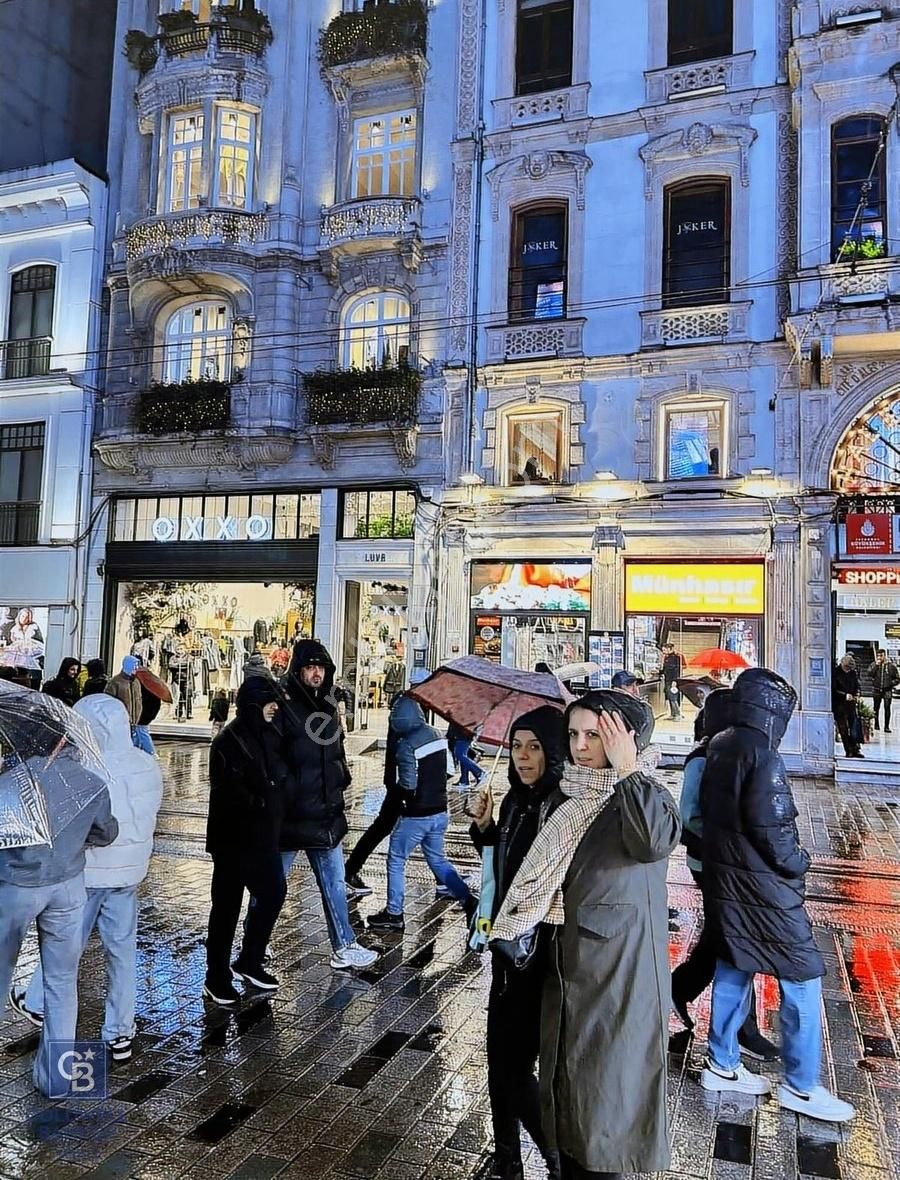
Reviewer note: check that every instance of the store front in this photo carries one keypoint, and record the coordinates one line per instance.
(712, 615)
(197, 586)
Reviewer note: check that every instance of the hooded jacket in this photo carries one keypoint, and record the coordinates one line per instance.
(63, 687)
(247, 777)
(97, 678)
(419, 779)
(317, 771)
(711, 720)
(135, 787)
(127, 689)
(753, 865)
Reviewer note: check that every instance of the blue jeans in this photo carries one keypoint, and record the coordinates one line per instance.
(801, 1024)
(114, 913)
(466, 766)
(58, 911)
(327, 865)
(408, 834)
(140, 736)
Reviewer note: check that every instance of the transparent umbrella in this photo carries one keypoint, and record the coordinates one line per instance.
(50, 767)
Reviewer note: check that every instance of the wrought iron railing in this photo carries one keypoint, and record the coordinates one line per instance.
(380, 30)
(25, 358)
(19, 522)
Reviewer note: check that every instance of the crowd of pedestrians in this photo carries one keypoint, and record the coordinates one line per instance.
(573, 904)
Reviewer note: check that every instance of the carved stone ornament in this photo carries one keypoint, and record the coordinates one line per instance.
(405, 440)
(538, 166)
(324, 448)
(700, 139)
(240, 342)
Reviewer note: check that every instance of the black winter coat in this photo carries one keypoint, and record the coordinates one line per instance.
(753, 865)
(843, 684)
(318, 773)
(246, 790)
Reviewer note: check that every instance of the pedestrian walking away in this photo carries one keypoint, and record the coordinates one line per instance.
(754, 876)
(113, 873)
(672, 669)
(421, 788)
(884, 676)
(844, 700)
(692, 977)
(64, 686)
(460, 743)
(596, 875)
(219, 708)
(380, 828)
(318, 775)
(537, 753)
(247, 781)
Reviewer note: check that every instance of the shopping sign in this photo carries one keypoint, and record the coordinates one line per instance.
(869, 575)
(869, 534)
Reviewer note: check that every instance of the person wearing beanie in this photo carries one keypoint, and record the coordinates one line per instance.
(596, 876)
(97, 678)
(536, 760)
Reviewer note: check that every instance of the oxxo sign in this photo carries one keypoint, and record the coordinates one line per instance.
(222, 528)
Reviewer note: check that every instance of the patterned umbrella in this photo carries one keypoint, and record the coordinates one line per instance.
(477, 694)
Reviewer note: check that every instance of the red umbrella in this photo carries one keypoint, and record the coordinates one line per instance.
(477, 694)
(154, 685)
(718, 660)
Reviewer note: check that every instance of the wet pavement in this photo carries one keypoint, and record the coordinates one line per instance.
(383, 1073)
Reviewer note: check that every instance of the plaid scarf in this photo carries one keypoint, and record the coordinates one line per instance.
(536, 893)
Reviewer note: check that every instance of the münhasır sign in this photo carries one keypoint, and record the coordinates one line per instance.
(728, 589)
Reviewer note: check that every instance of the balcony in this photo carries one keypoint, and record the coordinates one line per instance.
(376, 223)
(398, 30)
(548, 106)
(535, 340)
(345, 402)
(25, 358)
(231, 31)
(19, 522)
(165, 246)
(719, 75)
(715, 323)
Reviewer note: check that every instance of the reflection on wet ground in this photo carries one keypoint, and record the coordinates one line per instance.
(383, 1073)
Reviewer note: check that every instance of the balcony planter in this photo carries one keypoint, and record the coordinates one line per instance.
(362, 397)
(385, 30)
(184, 407)
(242, 29)
(864, 250)
(141, 50)
(179, 21)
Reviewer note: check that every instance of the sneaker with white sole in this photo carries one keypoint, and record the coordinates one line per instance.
(353, 956)
(17, 1003)
(257, 977)
(121, 1048)
(733, 1081)
(819, 1103)
(356, 887)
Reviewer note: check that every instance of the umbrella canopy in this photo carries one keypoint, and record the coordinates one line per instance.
(576, 671)
(50, 767)
(697, 688)
(154, 685)
(717, 659)
(477, 694)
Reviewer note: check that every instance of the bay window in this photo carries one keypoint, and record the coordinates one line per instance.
(235, 143)
(209, 158)
(184, 181)
(198, 343)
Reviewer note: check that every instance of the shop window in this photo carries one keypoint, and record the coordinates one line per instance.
(697, 243)
(184, 161)
(31, 296)
(534, 448)
(858, 198)
(21, 474)
(693, 441)
(235, 151)
(384, 155)
(376, 331)
(378, 515)
(538, 270)
(699, 29)
(543, 45)
(262, 517)
(198, 343)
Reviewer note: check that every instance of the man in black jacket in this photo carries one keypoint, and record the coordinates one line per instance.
(883, 675)
(315, 821)
(844, 699)
(754, 875)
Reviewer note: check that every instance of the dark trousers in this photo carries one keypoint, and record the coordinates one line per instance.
(878, 699)
(513, 1044)
(692, 977)
(673, 696)
(844, 716)
(569, 1170)
(262, 875)
(379, 829)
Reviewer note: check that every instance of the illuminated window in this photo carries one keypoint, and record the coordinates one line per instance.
(699, 29)
(384, 155)
(697, 243)
(235, 146)
(858, 200)
(198, 343)
(693, 441)
(202, 9)
(538, 269)
(185, 162)
(376, 331)
(534, 447)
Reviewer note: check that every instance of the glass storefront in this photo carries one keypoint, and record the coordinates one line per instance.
(372, 667)
(867, 618)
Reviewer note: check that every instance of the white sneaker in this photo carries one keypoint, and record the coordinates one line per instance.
(819, 1103)
(737, 1081)
(353, 955)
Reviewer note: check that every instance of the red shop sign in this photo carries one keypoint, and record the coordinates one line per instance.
(869, 575)
(868, 533)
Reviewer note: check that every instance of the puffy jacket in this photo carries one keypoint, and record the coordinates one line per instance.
(753, 865)
(317, 771)
(883, 676)
(135, 787)
(63, 687)
(127, 689)
(420, 757)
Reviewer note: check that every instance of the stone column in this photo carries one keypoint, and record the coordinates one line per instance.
(814, 640)
(607, 579)
(452, 596)
(784, 612)
(327, 620)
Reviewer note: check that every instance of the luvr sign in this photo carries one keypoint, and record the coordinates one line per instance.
(223, 528)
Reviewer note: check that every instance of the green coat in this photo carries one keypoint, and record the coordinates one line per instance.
(604, 1027)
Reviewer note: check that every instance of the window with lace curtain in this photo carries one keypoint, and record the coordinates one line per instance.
(235, 142)
(534, 447)
(184, 173)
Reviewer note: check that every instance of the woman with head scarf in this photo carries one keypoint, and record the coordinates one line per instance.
(537, 752)
(596, 874)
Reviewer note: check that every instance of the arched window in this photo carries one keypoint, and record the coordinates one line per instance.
(198, 343)
(376, 331)
(31, 294)
(867, 459)
(697, 243)
(538, 267)
(858, 201)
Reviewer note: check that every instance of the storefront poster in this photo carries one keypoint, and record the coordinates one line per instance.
(521, 586)
(678, 589)
(868, 534)
(23, 636)
(606, 649)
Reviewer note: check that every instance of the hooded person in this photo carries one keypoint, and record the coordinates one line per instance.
(596, 875)
(97, 679)
(317, 777)
(113, 873)
(64, 686)
(754, 871)
(126, 687)
(536, 763)
(247, 780)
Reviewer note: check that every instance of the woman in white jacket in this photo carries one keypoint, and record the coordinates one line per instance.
(112, 874)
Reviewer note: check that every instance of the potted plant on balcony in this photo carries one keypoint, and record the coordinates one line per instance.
(363, 396)
(140, 49)
(181, 20)
(379, 30)
(861, 250)
(243, 17)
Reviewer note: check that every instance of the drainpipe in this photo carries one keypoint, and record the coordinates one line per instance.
(478, 164)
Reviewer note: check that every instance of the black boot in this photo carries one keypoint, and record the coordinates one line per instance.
(507, 1165)
(554, 1167)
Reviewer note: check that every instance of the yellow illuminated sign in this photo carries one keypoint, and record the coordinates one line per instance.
(677, 589)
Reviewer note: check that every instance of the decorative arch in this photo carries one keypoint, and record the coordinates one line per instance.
(858, 388)
(867, 457)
